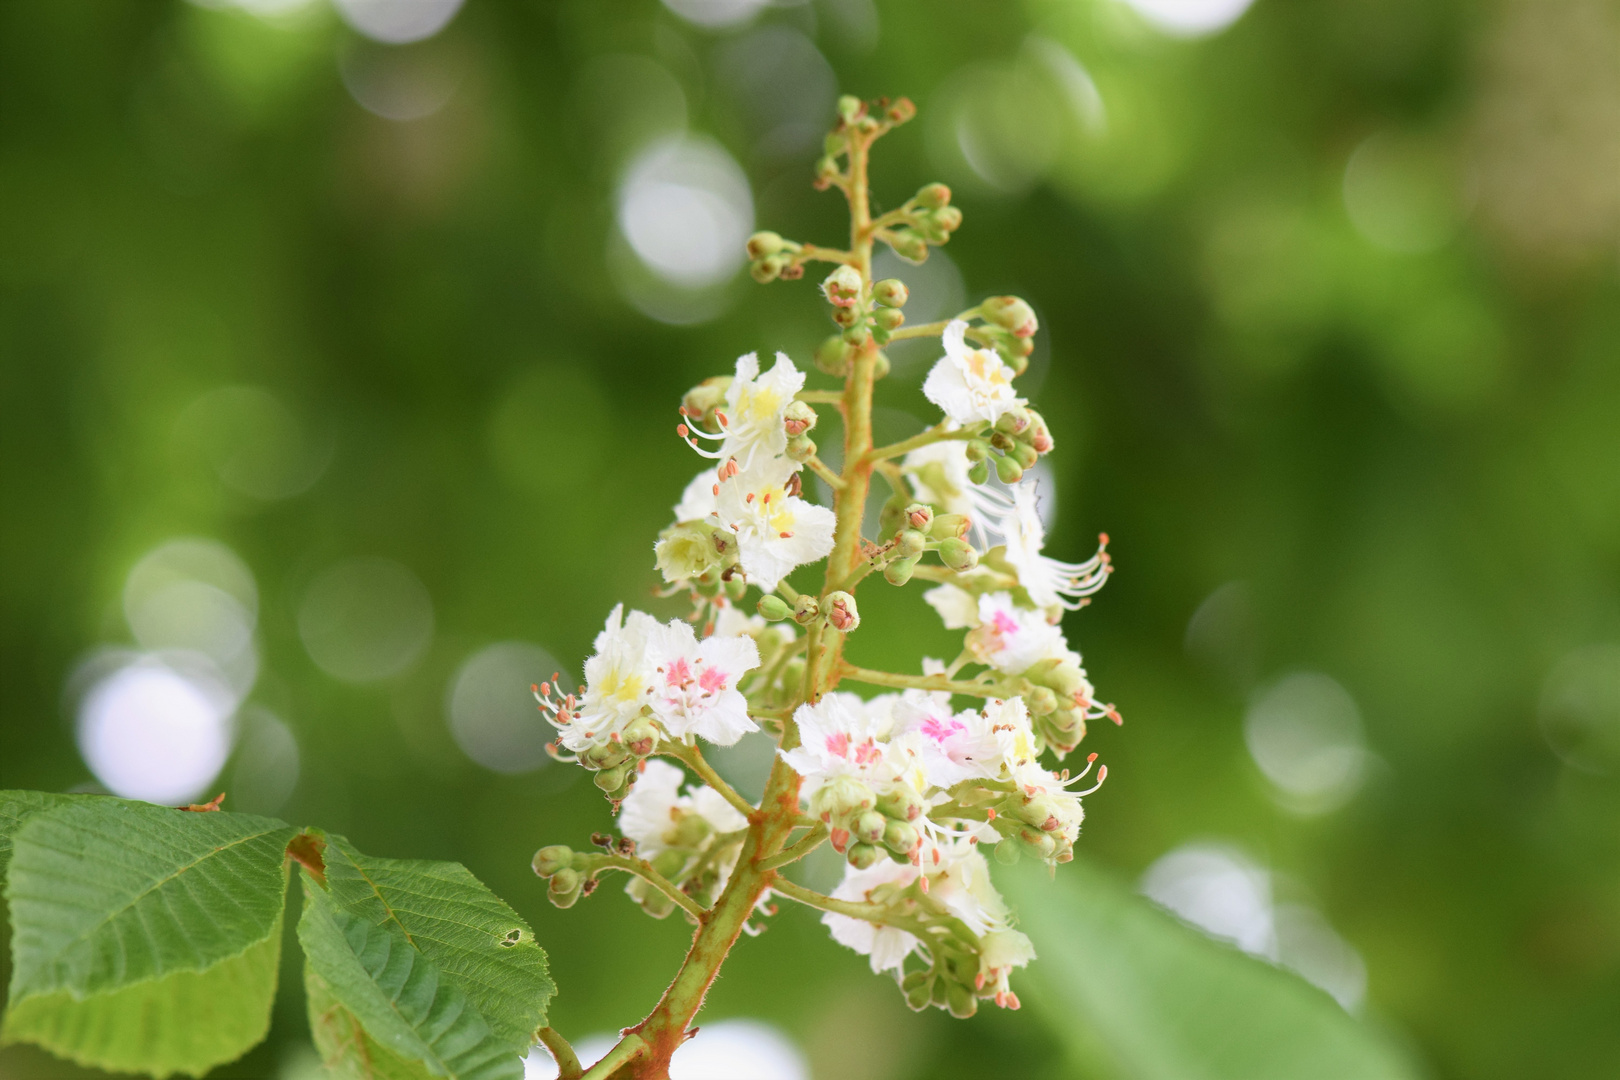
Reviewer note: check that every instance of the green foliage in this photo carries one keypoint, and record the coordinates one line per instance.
(425, 960)
(1130, 985)
(148, 940)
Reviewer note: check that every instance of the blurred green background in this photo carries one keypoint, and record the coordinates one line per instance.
(341, 348)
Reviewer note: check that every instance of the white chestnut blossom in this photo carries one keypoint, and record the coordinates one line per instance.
(655, 807)
(751, 423)
(618, 683)
(970, 385)
(695, 683)
(1050, 583)
(1001, 634)
(939, 476)
(886, 946)
(697, 501)
(776, 531)
(841, 735)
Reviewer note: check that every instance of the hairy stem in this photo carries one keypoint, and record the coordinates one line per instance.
(693, 759)
(924, 682)
(568, 1067)
(629, 1049)
(644, 870)
(798, 850)
(937, 433)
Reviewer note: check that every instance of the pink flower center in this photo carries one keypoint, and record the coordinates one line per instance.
(939, 732)
(677, 673)
(838, 745)
(713, 679)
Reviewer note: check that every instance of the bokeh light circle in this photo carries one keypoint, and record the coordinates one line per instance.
(686, 210)
(491, 711)
(156, 730)
(365, 619)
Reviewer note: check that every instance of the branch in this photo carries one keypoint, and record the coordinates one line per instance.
(802, 847)
(568, 1067)
(820, 397)
(933, 329)
(935, 434)
(644, 870)
(922, 682)
(978, 575)
(629, 1049)
(692, 758)
(872, 913)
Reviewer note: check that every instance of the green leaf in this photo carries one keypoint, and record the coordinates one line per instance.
(188, 1022)
(108, 893)
(143, 938)
(344, 1046)
(398, 994)
(17, 807)
(478, 944)
(1132, 988)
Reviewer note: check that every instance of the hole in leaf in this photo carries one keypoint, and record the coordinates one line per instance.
(512, 938)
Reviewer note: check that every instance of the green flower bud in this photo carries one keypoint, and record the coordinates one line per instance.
(901, 110)
(549, 860)
(842, 614)
(869, 827)
(899, 571)
(687, 551)
(832, 356)
(764, 243)
(805, 609)
(774, 608)
(909, 245)
(863, 856)
(1041, 700)
(1009, 470)
(669, 862)
(920, 516)
(606, 756)
(765, 271)
(960, 1000)
(1008, 852)
(801, 448)
(850, 108)
(910, 543)
(888, 319)
(948, 218)
(858, 334)
(1014, 420)
(840, 797)
(976, 450)
(640, 736)
(892, 518)
(611, 780)
(948, 526)
(1024, 454)
(1011, 313)
(900, 836)
(843, 286)
(918, 987)
(846, 317)
(826, 171)
(958, 554)
(700, 402)
(798, 418)
(900, 803)
(891, 293)
(979, 471)
(1039, 843)
(834, 144)
(565, 887)
(652, 901)
(933, 196)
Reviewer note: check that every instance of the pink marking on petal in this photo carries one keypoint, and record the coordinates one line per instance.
(713, 679)
(838, 745)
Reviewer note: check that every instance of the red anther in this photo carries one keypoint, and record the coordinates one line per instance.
(1090, 758)
(1113, 714)
(936, 856)
(680, 429)
(641, 766)
(786, 535)
(840, 840)
(978, 981)
(708, 629)
(992, 813)
(826, 815)
(534, 688)
(723, 421)
(924, 882)
(1012, 1001)
(1103, 538)
(716, 490)
(1050, 824)
(749, 498)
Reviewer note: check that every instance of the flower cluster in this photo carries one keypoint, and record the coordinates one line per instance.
(912, 783)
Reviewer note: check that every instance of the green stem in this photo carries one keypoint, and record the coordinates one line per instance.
(932, 329)
(630, 1048)
(693, 759)
(980, 576)
(923, 682)
(820, 397)
(820, 468)
(799, 849)
(644, 870)
(935, 434)
(568, 1067)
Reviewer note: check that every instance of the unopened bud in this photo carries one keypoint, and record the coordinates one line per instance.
(690, 831)
(1040, 437)
(979, 472)
(766, 243)
(909, 245)
(766, 270)
(933, 196)
(958, 554)
(640, 736)
(920, 516)
(910, 543)
(976, 450)
(1014, 420)
(840, 797)
(610, 780)
(946, 526)
(960, 1000)
(850, 108)
(565, 887)
(805, 609)
(549, 860)
(1041, 700)
(774, 608)
(1009, 471)
(948, 218)
(842, 613)
(801, 448)
(700, 402)
(826, 171)
(843, 286)
(899, 571)
(918, 987)
(857, 335)
(1025, 454)
(606, 756)
(864, 856)
(901, 110)
(847, 317)
(900, 836)
(1011, 313)
(870, 826)
(880, 365)
(798, 418)
(1008, 852)
(888, 319)
(900, 803)
(891, 293)
(832, 355)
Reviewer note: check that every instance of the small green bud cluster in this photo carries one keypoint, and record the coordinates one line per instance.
(1059, 702)
(614, 762)
(700, 404)
(926, 219)
(866, 825)
(952, 983)
(701, 554)
(1018, 440)
(914, 529)
(770, 256)
(863, 314)
(861, 120)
